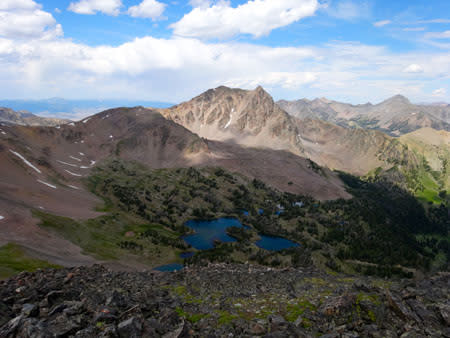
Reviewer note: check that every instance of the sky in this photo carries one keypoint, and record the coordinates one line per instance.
(164, 50)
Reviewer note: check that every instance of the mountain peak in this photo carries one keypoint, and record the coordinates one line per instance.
(398, 99)
(261, 92)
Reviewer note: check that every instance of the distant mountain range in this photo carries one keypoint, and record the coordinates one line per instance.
(9, 116)
(238, 139)
(252, 118)
(395, 116)
(74, 109)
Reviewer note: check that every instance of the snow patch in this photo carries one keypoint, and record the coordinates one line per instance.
(86, 120)
(3, 132)
(81, 154)
(74, 187)
(25, 161)
(58, 127)
(82, 141)
(75, 158)
(229, 122)
(69, 164)
(110, 136)
(71, 173)
(92, 163)
(47, 184)
(84, 167)
(72, 124)
(1, 217)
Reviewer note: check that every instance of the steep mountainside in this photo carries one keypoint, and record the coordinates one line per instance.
(433, 144)
(44, 168)
(252, 118)
(395, 116)
(9, 116)
(356, 151)
(246, 117)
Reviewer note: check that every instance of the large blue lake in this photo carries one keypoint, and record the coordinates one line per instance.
(206, 232)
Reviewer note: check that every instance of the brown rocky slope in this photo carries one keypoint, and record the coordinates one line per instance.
(44, 168)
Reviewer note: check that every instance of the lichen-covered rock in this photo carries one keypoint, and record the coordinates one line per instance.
(220, 300)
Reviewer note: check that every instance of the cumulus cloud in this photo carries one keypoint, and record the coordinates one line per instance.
(382, 23)
(24, 19)
(110, 7)
(6, 5)
(256, 17)
(159, 69)
(439, 92)
(151, 9)
(413, 68)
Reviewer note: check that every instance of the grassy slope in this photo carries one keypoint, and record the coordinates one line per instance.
(13, 260)
(434, 175)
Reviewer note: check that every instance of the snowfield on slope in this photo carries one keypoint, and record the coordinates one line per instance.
(26, 161)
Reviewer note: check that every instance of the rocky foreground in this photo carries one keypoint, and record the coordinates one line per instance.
(220, 300)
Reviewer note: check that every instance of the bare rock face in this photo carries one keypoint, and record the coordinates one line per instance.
(221, 300)
(246, 117)
(252, 118)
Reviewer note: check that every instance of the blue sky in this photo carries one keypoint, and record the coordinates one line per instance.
(350, 50)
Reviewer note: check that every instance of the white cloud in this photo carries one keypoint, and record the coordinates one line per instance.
(382, 23)
(287, 80)
(349, 10)
(200, 3)
(442, 21)
(159, 69)
(413, 29)
(439, 92)
(24, 19)
(413, 68)
(57, 10)
(438, 35)
(151, 9)
(110, 7)
(6, 5)
(256, 17)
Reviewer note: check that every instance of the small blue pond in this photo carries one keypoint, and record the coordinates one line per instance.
(260, 211)
(187, 254)
(273, 243)
(170, 267)
(206, 232)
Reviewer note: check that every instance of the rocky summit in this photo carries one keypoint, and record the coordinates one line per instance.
(220, 300)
